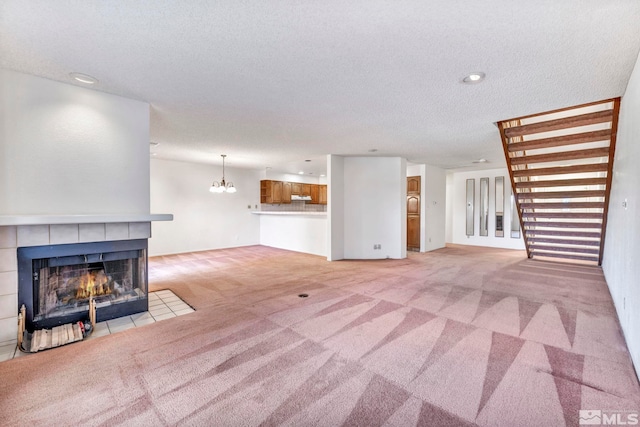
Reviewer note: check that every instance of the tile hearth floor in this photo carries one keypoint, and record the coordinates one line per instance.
(162, 305)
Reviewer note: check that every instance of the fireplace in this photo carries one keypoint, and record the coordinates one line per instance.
(56, 282)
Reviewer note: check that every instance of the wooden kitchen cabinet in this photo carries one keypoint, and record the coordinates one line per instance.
(413, 185)
(413, 232)
(413, 205)
(413, 213)
(265, 191)
(322, 196)
(274, 192)
(315, 194)
(279, 192)
(286, 192)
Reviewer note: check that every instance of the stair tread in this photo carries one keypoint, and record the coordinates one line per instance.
(557, 255)
(562, 205)
(561, 194)
(561, 183)
(564, 123)
(563, 224)
(561, 156)
(563, 215)
(563, 233)
(561, 141)
(561, 170)
(536, 247)
(534, 240)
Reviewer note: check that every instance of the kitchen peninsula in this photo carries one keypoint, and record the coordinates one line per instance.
(293, 216)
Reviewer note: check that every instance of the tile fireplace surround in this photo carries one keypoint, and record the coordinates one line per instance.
(21, 231)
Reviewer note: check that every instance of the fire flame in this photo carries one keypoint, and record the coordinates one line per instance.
(93, 284)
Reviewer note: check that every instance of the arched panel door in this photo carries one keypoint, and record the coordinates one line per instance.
(413, 213)
(413, 205)
(413, 185)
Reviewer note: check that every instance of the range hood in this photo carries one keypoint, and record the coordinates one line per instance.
(296, 197)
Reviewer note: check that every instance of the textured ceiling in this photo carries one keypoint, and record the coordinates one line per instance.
(272, 83)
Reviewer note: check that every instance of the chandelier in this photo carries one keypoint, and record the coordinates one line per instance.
(222, 186)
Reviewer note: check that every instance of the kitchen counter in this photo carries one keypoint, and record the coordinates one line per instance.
(298, 213)
(295, 231)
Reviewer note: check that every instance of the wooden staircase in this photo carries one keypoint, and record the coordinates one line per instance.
(560, 164)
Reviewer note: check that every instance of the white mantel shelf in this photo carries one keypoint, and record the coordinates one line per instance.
(6, 220)
(290, 213)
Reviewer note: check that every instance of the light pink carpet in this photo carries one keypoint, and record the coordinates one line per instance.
(459, 336)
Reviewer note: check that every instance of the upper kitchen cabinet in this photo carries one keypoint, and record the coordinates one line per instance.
(265, 189)
(322, 197)
(315, 194)
(413, 185)
(318, 194)
(280, 192)
(274, 192)
(286, 192)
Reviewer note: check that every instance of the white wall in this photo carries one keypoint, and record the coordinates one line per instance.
(449, 209)
(69, 150)
(202, 220)
(415, 170)
(622, 241)
(375, 210)
(291, 177)
(300, 233)
(434, 199)
(335, 208)
(456, 212)
(432, 206)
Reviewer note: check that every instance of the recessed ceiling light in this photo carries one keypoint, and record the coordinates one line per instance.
(307, 160)
(322, 174)
(154, 144)
(475, 77)
(373, 150)
(300, 173)
(481, 161)
(84, 78)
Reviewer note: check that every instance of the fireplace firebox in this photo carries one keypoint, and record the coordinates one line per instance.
(56, 282)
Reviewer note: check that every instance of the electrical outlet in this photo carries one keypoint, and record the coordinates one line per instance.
(377, 246)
